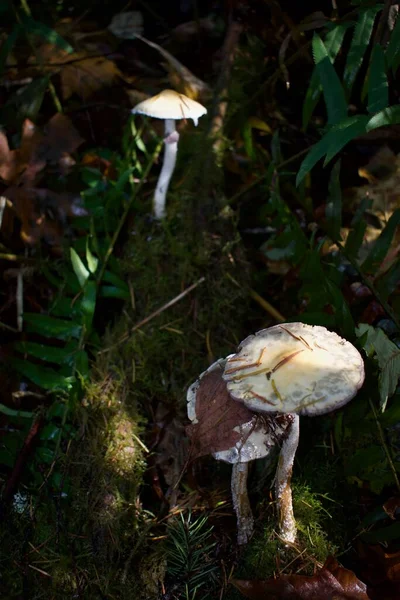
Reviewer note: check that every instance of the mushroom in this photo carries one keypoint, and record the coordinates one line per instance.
(231, 433)
(293, 369)
(171, 106)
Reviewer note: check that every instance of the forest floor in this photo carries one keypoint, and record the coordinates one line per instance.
(108, 315)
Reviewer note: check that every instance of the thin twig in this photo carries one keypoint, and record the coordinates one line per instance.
(267, 306)
(155, 313)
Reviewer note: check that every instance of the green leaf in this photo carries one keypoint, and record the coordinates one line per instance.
(388, 356)
(110, 291)
(8, 45)
(79, 268)
(88, 304)
(51, 327)
(332, 142)
(333, 42)
(27, 102)
(333, 210)
(344, 132)
(44, 377)
(387, 116)
(355, 239)
(91, 260)
(50, 35)
(12, 412)
(392, 51)
(382, 244)
(387, 283)
(314, 155)
(335, 100)
(110, 277)
(378, 87)
(46, 353)
(359, 44)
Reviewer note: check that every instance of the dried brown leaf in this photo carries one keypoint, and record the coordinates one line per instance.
(43, 213)
(87, 76)
(217, 416)
(52, 145)
(332, 582)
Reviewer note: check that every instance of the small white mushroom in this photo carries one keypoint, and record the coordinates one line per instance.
(293, 369)
(256, 437)
(170, 106)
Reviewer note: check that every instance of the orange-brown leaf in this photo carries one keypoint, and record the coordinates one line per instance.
(331, 582)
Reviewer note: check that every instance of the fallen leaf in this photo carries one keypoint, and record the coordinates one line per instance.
(52, 145)
(43, 214)
(218, 415)
(332, 582)
(87, 76)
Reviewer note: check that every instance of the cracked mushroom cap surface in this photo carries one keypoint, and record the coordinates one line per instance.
(294, 368)
(224, 428)
(169, 104)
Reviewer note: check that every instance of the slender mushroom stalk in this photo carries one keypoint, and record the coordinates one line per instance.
(241, 504)
(171, 149)
(293, 369)
(231, 433)
(170, 106)
(283, 490)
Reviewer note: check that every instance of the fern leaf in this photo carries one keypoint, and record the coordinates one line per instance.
(44, 377)
(359, 44)
(333, 43)
(344, 132)
(314, 155)
(388, 356)
(335, 100)
(389, 281)
(51, 327)
(46, 353)
(378, 88)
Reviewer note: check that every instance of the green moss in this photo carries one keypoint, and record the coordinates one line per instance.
(265, 556)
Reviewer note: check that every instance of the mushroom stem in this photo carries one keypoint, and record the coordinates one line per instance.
(283, 491)
(171, 147)
(241, 504)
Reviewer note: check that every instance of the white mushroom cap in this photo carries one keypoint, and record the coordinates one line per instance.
(257, 436)
(169, 104)
(294, 368)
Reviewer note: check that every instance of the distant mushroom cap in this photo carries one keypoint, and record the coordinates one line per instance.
(256, 436)
(294, 368)
(169, 104)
